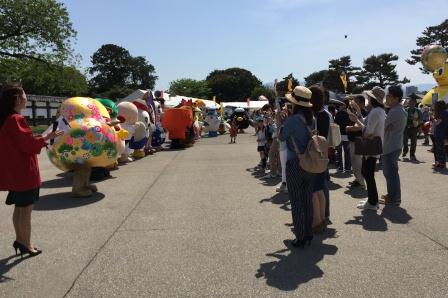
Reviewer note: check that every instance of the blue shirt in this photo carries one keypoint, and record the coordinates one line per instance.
(296, 128)
(440, 130)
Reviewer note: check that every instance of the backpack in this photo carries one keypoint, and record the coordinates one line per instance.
(315, 158)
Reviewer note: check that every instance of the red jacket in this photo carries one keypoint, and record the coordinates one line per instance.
(19, 170)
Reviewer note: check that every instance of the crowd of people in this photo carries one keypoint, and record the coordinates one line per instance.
(370, 128)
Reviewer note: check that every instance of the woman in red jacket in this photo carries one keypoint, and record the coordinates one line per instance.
(18, 160)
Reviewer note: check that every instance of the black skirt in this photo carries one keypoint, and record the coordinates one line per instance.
(23, 198)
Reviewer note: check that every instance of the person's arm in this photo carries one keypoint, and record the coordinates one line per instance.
(284, 132)
(390, 119)
(22, 136)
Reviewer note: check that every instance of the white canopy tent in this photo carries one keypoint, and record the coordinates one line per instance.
(172, 101)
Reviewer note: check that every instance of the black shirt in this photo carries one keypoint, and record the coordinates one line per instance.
(343, 120)
(323, 123)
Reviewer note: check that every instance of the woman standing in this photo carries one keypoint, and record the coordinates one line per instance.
(373, 126)
(20, 170)
(320, 180)
(440, 134)
(300, 183)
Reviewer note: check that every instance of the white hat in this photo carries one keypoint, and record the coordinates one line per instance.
(301, 96)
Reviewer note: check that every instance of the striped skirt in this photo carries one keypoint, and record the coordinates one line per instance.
(300, 189)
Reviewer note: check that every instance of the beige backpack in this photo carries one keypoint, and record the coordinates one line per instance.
(315, 158)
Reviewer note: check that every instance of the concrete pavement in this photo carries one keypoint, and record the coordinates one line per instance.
(200, 222)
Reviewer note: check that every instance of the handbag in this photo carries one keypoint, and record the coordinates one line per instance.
(334, 135)
(368, 147)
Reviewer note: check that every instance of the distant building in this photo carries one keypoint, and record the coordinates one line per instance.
(410, 90)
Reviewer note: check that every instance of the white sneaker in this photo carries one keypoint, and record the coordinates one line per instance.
(368, 206)
(282, 188)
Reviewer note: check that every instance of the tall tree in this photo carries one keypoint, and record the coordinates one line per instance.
(431, 35)
(343, 66)
(380, 71)
(328, 78)
(262, 90)
(39, 30)
(282, 86)
(190, 88)
(232, 84)
(43, 78)
(113, 68)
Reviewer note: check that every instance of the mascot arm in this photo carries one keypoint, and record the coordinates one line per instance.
(22, 135)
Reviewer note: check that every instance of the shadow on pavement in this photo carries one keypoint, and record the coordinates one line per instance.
(370, 221)
(63, 200)
(279, 199)
(333, 186)
(294, 266)
(65, 181)
(6, 265)
(357, 193)
(396, 215)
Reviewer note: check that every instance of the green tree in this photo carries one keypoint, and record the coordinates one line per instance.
(431, 35)
(262, 90)
(380, 71)
(39, 30)
(43, 78)
(328, 78)
(190, 88)
(341, 66)
(232, 84)
(282, 86)
(113, 68)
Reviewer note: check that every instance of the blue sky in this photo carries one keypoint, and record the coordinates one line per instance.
(271, 38)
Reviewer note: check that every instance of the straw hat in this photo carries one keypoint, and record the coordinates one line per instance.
(301, 96)
(377, 93)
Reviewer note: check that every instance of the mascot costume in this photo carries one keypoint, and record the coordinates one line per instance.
(128, 113)
(179, 124)
(158, 137)
(211, 123)
(434, 59)
(139, 144)
(241, 117)
(88, 141)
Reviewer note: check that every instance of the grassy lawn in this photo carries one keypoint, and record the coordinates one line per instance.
(39, 129)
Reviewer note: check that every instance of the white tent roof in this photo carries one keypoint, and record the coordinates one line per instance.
(172, 101)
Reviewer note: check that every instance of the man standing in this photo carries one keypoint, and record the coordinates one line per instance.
(413, 122)
(396, 121)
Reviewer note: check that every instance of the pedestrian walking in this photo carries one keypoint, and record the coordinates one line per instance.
(440, 135)
(412, 126)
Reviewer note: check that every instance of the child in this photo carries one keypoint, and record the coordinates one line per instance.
(261, 143)
(440, 134)
(20, 170)
(233, 131)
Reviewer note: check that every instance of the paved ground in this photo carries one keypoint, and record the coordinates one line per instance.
(199, 223)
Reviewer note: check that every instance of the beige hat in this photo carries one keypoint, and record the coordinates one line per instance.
(377, 93)
(301, 97)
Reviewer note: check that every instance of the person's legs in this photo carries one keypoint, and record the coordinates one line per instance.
(273, 157)
(283, 156)
(339, 163)
(368, 171)
(317, 219)
(390, 171)
(347, 159)
(413, 136)
(405, 141)
(326, 192)
(322, 204)
(25, 226)
(16, 222)
(356, 161)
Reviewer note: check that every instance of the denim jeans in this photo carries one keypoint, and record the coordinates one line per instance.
(390, 171)
(346, 165)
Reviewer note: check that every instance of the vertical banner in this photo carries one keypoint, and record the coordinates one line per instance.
(289, 85)
(344, 81)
